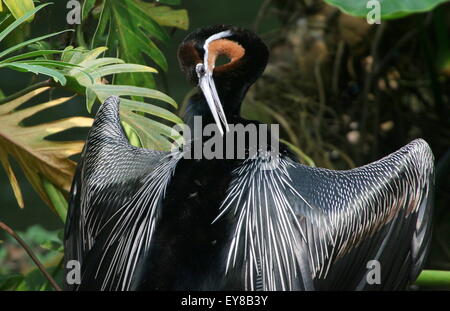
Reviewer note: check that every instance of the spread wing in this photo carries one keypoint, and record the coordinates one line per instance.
(115, 185)
(299, 227)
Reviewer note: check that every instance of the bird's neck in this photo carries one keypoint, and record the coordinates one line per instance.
(231, 102)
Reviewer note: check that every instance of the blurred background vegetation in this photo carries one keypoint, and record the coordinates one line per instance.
(344, 92)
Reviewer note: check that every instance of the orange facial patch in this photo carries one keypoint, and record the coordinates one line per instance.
(234, 51)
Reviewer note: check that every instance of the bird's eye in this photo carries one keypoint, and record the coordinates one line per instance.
(200, 69)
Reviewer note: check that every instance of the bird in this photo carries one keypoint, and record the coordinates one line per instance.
(142, 219)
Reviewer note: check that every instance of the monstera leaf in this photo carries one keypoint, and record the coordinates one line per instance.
(46, 163)
(85, 72)
(41, 160)
(31, 61)
(129, 28)
(91, 73)
(389, 8)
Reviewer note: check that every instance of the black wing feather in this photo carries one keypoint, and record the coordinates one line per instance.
(112, 180)
(304, 228)
(381, 211)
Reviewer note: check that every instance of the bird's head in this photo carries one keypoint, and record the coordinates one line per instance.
(223, 83)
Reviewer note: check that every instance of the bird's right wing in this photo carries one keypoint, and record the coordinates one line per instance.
(298, 227)
(114, 202)
(377, 216)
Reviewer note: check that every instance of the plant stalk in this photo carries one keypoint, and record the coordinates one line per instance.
(434, 278)
(26, 91)
(30, 253)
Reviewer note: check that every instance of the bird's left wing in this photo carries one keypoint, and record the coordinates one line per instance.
(114, 201)
(300, 228)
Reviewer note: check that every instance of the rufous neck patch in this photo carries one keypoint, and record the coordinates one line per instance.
(234, 51)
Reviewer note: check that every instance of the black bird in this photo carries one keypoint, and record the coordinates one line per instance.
(149, 220)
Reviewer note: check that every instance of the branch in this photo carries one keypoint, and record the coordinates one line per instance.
(371, 76)
(26, 90)
(261, 13)
(30, 253)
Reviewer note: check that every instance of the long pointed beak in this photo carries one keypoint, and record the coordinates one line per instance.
(206, 83)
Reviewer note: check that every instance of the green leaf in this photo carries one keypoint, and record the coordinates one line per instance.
(149, 48)
(389, 8)
(102, 31)
(36, 235)
(7, 16)
(57, 199)
(300, 154)
(136, 106)
(89, 70)
(150, 133)
(18, 8)
(10, 281)
(55, 246)
(94, 64)
(142, 20)
(37, 69)
(434, 278)
(35, 281)
(105, 91)
(127, 27)
(48, 62)
(78, 55)
(170, 2)
(123, 68)
(88, 5)
(132, 136)
(30, 55)
(93, 54)
(20, 20)
(36, 155)
(166, 16)
(157, 138)
(90, 98)
(28, 42)
(40, 45)
(47, 247)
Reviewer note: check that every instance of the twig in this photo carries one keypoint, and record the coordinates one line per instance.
(261, 13)
(337, 66)
(399, 44)
(383, 63)
(443, 245)
(343, 155)
(320, 86)
(26, 90)
(30, 253)
(322, 100)
(284, 124)
(371, 76)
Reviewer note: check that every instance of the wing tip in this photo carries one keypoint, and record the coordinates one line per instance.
(112, 100)
(422, 149)
(109, 107)
(107, 125)
(421, 144)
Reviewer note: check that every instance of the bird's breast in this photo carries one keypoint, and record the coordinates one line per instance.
(188, 250)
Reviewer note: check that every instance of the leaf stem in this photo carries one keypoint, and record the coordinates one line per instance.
(434, 278)
(27, 90)
(30, 253)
